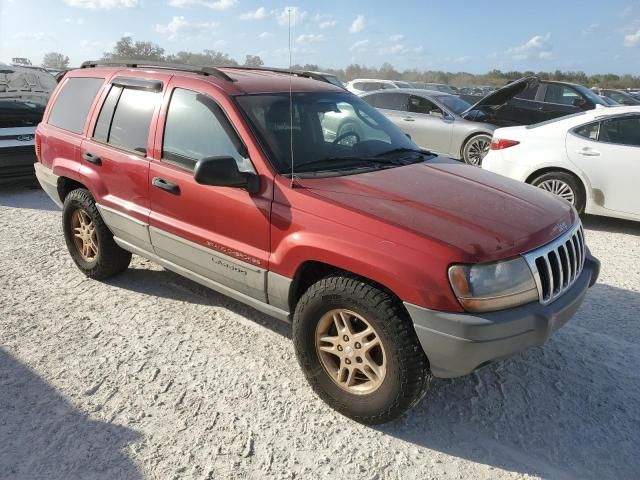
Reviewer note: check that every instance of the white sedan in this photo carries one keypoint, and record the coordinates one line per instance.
(590, 159)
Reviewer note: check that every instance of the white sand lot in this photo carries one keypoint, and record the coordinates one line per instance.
(149, 375)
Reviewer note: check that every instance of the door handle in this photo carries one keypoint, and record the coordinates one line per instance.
(409, 119)
(91, 158)
(163, 184)
(588, 153)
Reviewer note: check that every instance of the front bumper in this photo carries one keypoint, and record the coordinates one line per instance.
(459, 343)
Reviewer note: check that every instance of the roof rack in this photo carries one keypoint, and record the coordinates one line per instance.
(298, 73)
(207, 71)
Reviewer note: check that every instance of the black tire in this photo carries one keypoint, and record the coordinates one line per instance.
(579, 200)
(110, 258)
(469, 155)
(407, 375)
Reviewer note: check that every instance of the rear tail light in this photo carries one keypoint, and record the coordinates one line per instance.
(501, 143)
(37, 144)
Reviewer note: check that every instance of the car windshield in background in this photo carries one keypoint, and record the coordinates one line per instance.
(596, 99)
(453, 103)
(330, 131)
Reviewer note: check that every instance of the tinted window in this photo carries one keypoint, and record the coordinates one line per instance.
(101, 132)
(590, 131)
(623, 131)
(560, 94)
(369, 86)
(131, 120)
(73, 103)
(421, 105)
(194, 130)
(393, 101)
(528, 94)
(372, 99)
(453, 103)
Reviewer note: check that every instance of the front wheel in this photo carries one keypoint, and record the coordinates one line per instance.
(475, 149)
(358, 350)
(564, 185)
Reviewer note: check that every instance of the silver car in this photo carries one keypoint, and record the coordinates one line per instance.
(447, 124)
(434, 120)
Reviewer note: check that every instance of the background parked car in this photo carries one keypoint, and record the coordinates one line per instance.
(547, 100)
(610, 101)
(23, 96)
(618, 96)
(437, 87)
(361, 85)
(589, 159)
(435, 121)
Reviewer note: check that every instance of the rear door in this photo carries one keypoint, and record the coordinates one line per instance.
(609, 154)
(219, 233)
(115, 157)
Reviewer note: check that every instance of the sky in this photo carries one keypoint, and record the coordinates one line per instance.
(453, 35)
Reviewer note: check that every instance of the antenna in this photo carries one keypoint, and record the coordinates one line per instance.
(293, 178)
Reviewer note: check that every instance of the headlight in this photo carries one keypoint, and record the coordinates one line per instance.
(493, 286)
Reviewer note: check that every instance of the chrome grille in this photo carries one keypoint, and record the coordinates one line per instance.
(557, 265)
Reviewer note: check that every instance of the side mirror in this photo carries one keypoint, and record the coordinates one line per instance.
(579, 102)
(224, 172)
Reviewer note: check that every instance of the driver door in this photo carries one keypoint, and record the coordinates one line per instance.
(219, 233)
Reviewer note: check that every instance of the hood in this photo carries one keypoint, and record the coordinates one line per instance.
(485, 216)
(504, 94)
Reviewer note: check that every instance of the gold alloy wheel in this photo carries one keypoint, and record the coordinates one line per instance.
(84, 235)
(350, 351)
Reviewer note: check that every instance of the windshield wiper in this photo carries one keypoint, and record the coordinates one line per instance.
(400, 150)
(371, 160)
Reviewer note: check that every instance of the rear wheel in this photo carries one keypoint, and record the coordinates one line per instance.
(358, 350)
(88, 239)
(564, 185)
(475, 149)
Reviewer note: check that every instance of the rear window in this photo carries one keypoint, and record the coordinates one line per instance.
(72, 105)
(125, 118)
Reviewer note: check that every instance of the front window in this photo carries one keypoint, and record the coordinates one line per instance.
(328, 131)
(561, 95)
(455, 104)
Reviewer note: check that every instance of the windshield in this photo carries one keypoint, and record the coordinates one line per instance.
(596, 99)
(331, 131)
(334, 80)
(453, 103)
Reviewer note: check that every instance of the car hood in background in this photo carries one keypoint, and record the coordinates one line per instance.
(504, 94)
(484, 215)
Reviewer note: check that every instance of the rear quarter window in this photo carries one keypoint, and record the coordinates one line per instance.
(72, 104)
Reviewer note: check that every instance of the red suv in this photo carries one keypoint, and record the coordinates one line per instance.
(301, 200)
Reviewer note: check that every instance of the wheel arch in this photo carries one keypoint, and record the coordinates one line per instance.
(550, 169)
(67, 185)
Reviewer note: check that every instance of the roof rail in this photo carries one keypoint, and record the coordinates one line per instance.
(298, 73)
(132, 63)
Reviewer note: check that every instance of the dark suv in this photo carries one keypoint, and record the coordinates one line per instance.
(393, 264)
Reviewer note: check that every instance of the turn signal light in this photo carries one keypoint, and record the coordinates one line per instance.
(501, 144)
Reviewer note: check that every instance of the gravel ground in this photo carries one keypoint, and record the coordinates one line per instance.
(149, 375)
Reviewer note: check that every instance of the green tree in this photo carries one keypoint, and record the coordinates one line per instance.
(253, 61)
(55, 60)
(126, 48)
(208, 58)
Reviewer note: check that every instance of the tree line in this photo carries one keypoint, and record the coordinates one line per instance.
(127, 48)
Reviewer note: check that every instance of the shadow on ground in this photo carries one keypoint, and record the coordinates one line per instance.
(43, 436)
(25, 195)
(565, 410)
(613, 225)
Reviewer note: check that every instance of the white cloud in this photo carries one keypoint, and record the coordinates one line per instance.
(632, 39)
(325, 21)
(180, 27)
(32, 36)
(398, 37)
(399, 49)
(254, 15)
(102, 4)
(265, 35)
(74, 21)
(538, 46)
(590, 30)
(358, 24)
(359, 46)
(282, 16)
(462, 59)
(310, 38)
(213, 4)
